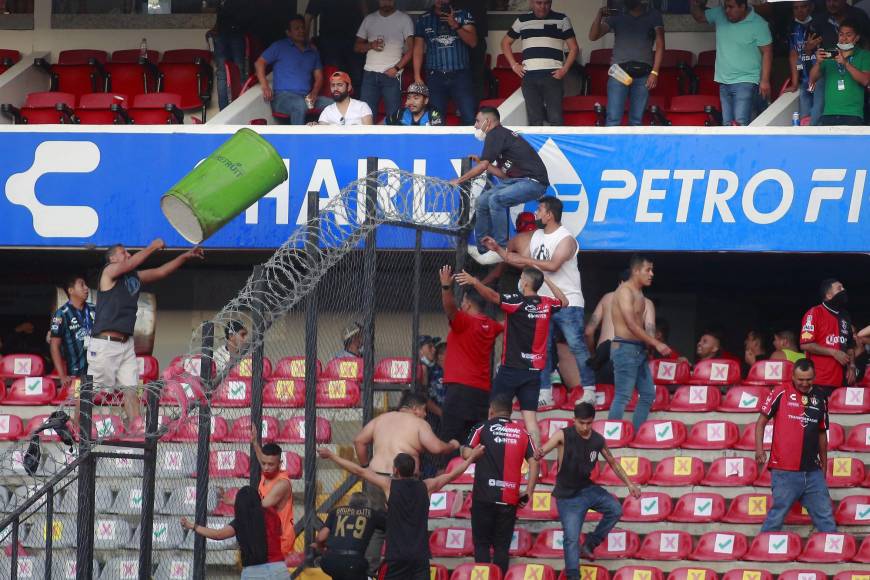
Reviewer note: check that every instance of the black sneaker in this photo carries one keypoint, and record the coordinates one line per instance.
(586, 552)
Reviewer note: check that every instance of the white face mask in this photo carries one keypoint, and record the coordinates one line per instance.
(846, 47)
(480, 134)
(806, 21)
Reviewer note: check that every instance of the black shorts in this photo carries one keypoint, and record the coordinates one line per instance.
(464, 407)
(341, 567)
(523, 384)
(406, 570)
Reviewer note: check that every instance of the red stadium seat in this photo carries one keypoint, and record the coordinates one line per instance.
(695, 399)
(495, 103)
(764, 479)
(548, 544)
(21, 365)
(596, 71)
(521, 543)
(698, 508)
(30, 391)
(181, 365)
(549, 427)
(11, 427)
(293, 430)
(397, 371)
(716, 371)
(149, 368)
(190, 81)
(130, 78)
(638, 470)
(244, 369)
(35, 423)
(743, 399)
(720, 547)
(232, 393)
(507, 82)
(659, 435)
(747, 574)
(619, 544)
(584, 110)
(501, 60)
(748, 508)
(803, 575)
(186, 55)
(704, 71)
(337, 394)
(292, 464)
(603, 397)
(651, 507)
(442, 504)
(670, 372)
(533, 572)
(241, 430)
(769, 372)
(451, 543)
(82, 56)
(692, 574)
(96, 109)
(541, 506)
(181, 392)
(660, 403)
(665, 545)
(293, 367)
(828, 548)
(774, 547)
(836, 436)
(863, 553)
(845, 472)
(731, 472)
(8, 58)
(156, 109)
(467, 477)
(468, 571)
(858, 439)
(187, 430)
(284, 393)
(853, 574)
(223, 464)
(678, 471)
(76, 78)
(712, 435)
(851, 400)
(132, 55)
(344, 368)
(637, 573)
(464, 511)
(107, 427)
(747, 438)
(691, 111)
(853, 510)
(615, 433)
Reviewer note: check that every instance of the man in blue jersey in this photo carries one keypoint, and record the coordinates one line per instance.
(417, 110)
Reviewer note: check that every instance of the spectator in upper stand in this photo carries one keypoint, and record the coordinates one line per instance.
(352, 340)
(754, 349)
(833, 16)
(446, 34)
(345, 110)
(826, 337)
(387, 38)
(744, 55)
(426, 352)
(70, 332)
(846, 74)
(634, 31)
(480, 74)
(786, 345)
(545, 34)
(337, 24)
(804, 39)
(236, 336)
(523, 178)
(233, 21)
(417, 110)
(297, 74)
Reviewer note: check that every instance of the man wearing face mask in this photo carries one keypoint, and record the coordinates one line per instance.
(804, 39)
(826, 337)
(345, 110)
(522, 174)
(846, 76)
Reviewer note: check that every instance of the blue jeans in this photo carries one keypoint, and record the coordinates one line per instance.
(572, 512)
(272, 571)
(569, 323)
(810, 488)
(492, 205)
(812, 104)
(228, 46)
(617, 93)
(293, 104)
(376, 85)
(630, 371)
(737, 101)
(456, 85)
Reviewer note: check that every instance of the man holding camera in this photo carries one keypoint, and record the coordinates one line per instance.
(846, 73)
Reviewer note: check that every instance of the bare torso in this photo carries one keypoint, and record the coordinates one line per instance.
(396, 432)
(626, 294)
(606, 318)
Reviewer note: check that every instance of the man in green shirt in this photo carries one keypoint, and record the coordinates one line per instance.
(845, 75)
(744, 55)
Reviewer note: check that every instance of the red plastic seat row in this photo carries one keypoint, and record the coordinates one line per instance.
(8, 58)
(237, 464)
(290, 431)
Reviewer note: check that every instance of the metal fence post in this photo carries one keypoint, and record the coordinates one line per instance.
(49, 537)
(464, 216)
(86, 486)
(202, 449)
(257, 370)
(149, 478)
(310, 467)
(415, 314)
(370, 267)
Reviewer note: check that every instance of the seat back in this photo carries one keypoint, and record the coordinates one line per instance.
(532, 572)
(638, 573)
(743, 399)
(650, 507)
(233, 392)
(678, 471)
(696, 399)
(720, 546)
(638, 469)
(803, 575)
(694, 104)
(467, 476)
(665, 545)
(350, 368)
(541, 506)
(549, 427)
(8, 58)
(774, 547)
(451, 542)
(853, 510)
(245, 369)
(501, 60)
(130, 78)
(241, 429)
(673, 58)
(131, 55)
(747, 574)
(48, 99)
(186, 55)
(507, 81)
(747, 438)
(292, 464)
(337, 394)
(443, 503)
(285, 393)
(850, 400)
(180, 365)
(78, 79)
(618, 544)
(229, 464)
(293, 367)
(548, 544)
(670, 372)
(185, 80)
(713, 371)
(698, 508)
(81, 56)
(396, 371)
(11, 427)
(769, 372)
(858, 439)
(828, 548)
(712, 435)
(748, 508)
(468, 571)
(148, 367)
(692, 573)
(659, 434)
(731, 472)
(844, 472)
(521, 543)
(615, 433)
(601, 56)
(31, 391)
(293, 430)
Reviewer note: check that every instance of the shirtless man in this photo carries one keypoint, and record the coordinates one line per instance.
(630, 341)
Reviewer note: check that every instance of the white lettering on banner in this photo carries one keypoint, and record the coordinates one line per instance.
(57, 221)
(323, 175)
(819, 194)
(857, 193)
(718, 200)
(281, 195)
(605, 194)
(786, 187)
(688, 177)
(566, 182)
(647, 193)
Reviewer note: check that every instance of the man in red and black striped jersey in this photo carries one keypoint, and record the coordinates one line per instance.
(497, 478)
(826, 337)
(524, 351)
(799, 453)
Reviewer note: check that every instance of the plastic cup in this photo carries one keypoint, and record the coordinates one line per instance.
(238, 173)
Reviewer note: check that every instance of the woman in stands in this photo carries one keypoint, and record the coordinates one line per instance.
(258, 532)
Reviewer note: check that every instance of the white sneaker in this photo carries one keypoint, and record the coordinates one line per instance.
(588, 397)
(485, 259)
(545, 399)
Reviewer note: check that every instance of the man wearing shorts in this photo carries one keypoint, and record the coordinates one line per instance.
(527, 327)
(111, 357)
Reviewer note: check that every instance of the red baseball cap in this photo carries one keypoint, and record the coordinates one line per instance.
(526, 222)
(342, 76)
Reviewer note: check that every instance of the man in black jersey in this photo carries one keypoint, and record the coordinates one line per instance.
(407, 553)
(346, 536)
(579, 448)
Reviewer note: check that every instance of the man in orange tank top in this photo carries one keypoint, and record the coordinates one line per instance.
(275, 488)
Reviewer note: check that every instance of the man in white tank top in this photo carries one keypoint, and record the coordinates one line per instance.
(553, 250)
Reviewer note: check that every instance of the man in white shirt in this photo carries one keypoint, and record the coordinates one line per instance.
(386, 37)
(345, 110)
(236, 335)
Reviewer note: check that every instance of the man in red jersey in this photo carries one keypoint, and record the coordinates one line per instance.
(497, 476)
(467, 366)
(799, 452)
(826, 337)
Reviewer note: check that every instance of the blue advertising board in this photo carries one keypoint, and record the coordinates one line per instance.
(670, 191)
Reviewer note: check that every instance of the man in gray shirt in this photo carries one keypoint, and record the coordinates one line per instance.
(635, 31)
